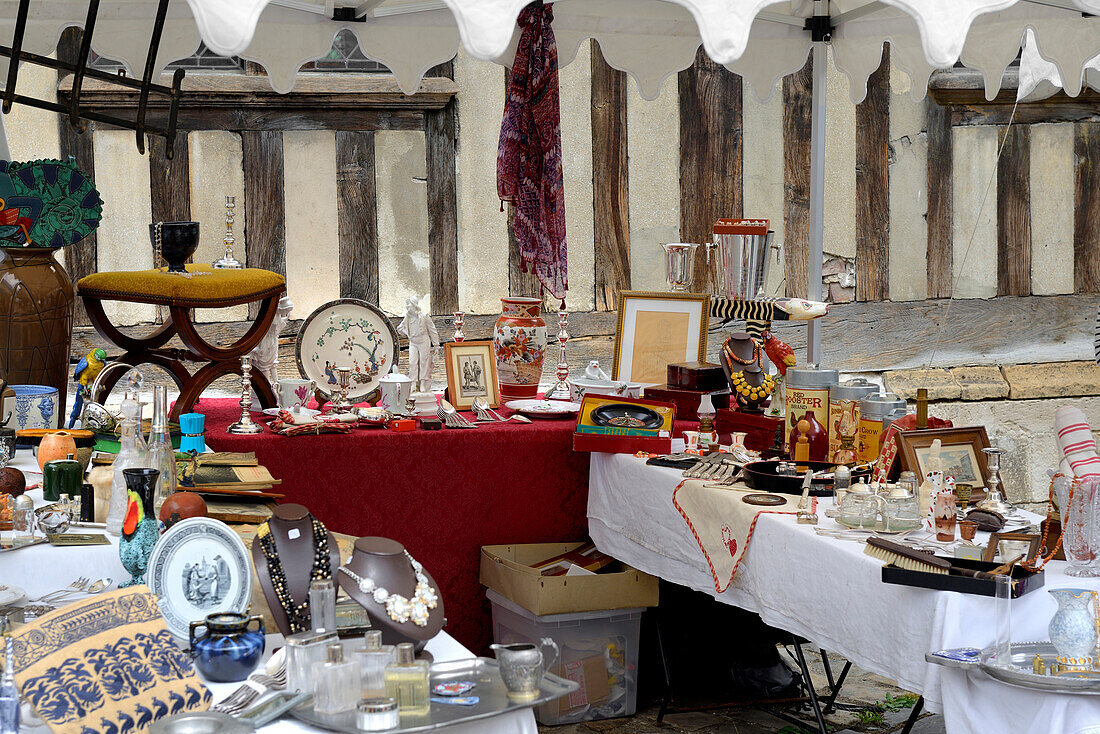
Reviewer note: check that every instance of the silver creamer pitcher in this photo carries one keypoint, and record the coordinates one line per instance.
(522, 666)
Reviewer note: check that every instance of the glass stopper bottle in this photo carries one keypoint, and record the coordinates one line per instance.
(132, 454)
(322, 605)
(337, 682)
(373, 658)
(407, 681)
(9, 694)
(162, 456)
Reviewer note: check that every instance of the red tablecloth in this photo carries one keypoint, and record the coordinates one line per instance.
(443, 494)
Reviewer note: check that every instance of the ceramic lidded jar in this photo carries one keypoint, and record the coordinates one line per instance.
(519, 342)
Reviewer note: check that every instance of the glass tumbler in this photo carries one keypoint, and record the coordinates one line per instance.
(1079, 500)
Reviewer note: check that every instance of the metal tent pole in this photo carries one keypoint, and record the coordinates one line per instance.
(5, 152)
(817, 196)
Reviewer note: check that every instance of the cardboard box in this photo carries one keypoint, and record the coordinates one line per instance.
(615, 440)
(505, 569)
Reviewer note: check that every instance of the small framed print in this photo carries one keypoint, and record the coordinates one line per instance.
(655, 330)
(960, 452)
(471, 373)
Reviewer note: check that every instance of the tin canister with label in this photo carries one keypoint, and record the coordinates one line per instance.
(850, 390)
(807, 388)
(877, 412)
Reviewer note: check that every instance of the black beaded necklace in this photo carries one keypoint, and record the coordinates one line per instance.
(297, 615)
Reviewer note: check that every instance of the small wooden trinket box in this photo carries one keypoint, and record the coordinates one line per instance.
(699, 376)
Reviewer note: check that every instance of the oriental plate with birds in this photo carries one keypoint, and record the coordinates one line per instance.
(199, 566)
(349, 333)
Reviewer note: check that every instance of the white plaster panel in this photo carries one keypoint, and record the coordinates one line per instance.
(312, 229)
(908, 253)
(33, 133)
(1052, 182)
(974, 204)
(216, 164)
(482, 227)
(762, 126)
(653, 141)
(122, 177)
(840, 167)
(402, 219)
(575, 82)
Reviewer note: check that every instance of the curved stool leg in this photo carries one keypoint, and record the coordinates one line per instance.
(189, 394)
(181, 317)
(111, 333)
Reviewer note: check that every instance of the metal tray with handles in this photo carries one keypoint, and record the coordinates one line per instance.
(1020, 674)
(489, 688)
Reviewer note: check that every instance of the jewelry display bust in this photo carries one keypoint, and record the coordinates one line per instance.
(383, 564)
(285, 548)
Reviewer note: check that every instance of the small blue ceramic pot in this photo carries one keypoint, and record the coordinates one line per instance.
(223, 647)
(35, 406)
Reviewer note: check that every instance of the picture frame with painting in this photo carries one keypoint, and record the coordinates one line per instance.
(657, 329)
(471, 373)
(960, 450)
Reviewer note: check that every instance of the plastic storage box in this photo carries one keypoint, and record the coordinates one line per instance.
(599, 650)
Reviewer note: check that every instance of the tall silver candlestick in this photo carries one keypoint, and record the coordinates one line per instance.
(228, 261)
(245, 425)
(561, 391)
(341, 403)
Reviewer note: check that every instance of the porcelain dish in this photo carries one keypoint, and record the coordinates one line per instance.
(544, 408)
(350, 333)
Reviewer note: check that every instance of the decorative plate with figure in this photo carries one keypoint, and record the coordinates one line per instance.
(350, 333)
(198, 567)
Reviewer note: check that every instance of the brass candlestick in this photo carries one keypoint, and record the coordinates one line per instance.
(560, 390)
(245, 425)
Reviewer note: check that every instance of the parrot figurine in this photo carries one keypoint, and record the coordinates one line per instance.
(87, 369)
(780, 353)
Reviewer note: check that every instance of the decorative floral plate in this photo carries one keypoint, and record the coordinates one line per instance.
(307, 412)
(351, 333)
(544, 408)
(199, 567)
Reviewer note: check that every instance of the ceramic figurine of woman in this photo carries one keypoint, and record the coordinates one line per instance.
(140, 527)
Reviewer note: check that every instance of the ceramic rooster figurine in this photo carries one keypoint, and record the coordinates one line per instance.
(780, 353)
(87, 369)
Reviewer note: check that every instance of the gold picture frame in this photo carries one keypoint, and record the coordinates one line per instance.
(471, 373)
(961, 449)
(673, 327)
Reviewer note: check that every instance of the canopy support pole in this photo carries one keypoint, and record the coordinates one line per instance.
(5, 151)
(817, 196)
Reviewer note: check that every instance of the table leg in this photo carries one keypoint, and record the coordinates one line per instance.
(805, 669)
(913, 716)
(666, 699)
(835, 688)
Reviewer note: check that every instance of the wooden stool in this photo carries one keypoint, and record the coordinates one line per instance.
(208, 288)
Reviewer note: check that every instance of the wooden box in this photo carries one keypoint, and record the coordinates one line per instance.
(761, 430)
(687, 401)
(699, 376)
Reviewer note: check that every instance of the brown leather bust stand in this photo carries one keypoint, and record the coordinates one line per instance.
(741, 344)
(383, 561)
(292, 529)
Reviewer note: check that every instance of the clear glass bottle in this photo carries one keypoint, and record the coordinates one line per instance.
(373, 657)
(162, 456)
(9, 694)
(22, 520)
(303, 651)
(407, 681)
(337, 682)
(132, 454)
(322, 605)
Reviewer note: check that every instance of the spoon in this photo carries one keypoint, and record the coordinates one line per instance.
(94, 588)
(482, 406)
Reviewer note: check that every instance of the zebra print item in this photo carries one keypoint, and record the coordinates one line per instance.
(1095, 343)
(757, 314)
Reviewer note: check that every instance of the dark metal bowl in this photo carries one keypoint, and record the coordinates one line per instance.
(761, 476)
(623, 415)
(178, 241)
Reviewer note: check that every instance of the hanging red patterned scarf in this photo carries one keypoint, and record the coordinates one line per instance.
(529, 171)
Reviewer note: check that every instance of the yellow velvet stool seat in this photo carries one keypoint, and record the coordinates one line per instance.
(207, 287)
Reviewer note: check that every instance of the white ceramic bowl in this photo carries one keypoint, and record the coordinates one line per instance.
(580, 387)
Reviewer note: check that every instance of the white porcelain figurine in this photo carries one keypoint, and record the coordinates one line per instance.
(265, 357)
(423, 339)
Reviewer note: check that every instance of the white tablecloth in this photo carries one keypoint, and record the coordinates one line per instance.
(43, 568)
(830, 592)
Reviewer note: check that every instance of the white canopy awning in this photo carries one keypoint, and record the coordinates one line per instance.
(761, 40)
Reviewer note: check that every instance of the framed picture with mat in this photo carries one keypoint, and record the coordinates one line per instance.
(471, 373)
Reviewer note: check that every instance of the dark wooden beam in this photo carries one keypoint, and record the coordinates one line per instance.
(357, 212)
(797, 94)
(711, 155)
(610, 182)
(873, 186)
(1014, 212)
(264, 204)
(442, 210)
(940, 256)
(1086, 206)
(81, 258)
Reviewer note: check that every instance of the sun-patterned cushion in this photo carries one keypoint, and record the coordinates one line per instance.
(206, 288)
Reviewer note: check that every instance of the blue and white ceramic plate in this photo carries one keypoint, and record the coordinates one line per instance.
(199, 567)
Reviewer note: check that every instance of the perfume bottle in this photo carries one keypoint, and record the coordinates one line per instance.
(132, 454)
(373, 657)
(9, 694)
(322, 605)
(161, 454)
(337, 682)
(407, 681)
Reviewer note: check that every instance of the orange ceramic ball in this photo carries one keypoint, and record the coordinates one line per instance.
(12, 481)
(181, 506)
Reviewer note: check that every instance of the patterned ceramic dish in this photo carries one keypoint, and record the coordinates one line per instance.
(544, 408)
(351, 333)
(304, 412)
(10, 595)
(200, 566)
(35, 406)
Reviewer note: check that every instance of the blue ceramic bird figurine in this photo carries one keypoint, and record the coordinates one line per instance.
(87, 369)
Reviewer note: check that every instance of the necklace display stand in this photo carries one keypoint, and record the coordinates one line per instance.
(383, 561)
(291, 528)
(763, 433)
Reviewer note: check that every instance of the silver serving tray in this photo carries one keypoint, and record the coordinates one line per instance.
(489, 688)
(1020, 673)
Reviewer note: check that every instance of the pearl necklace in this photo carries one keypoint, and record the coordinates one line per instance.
(297, 615)
(398, 607)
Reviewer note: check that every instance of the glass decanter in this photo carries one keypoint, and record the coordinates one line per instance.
(1079, 502)
(132, 454)
(162, 456)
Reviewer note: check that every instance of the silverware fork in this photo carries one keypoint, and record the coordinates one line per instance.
(450, 416)
(77, 585)
(255, 686)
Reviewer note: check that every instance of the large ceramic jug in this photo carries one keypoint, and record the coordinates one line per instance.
(519, 341)
(1072, 628)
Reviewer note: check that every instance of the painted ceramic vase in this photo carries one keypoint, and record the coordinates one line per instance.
(36, 320)
(519, 342)
(1072, 628)
(140, 527)
(223, 647)
(55, 446)
(35, 405)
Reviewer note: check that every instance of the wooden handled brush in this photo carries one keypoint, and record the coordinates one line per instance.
(911, 559)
